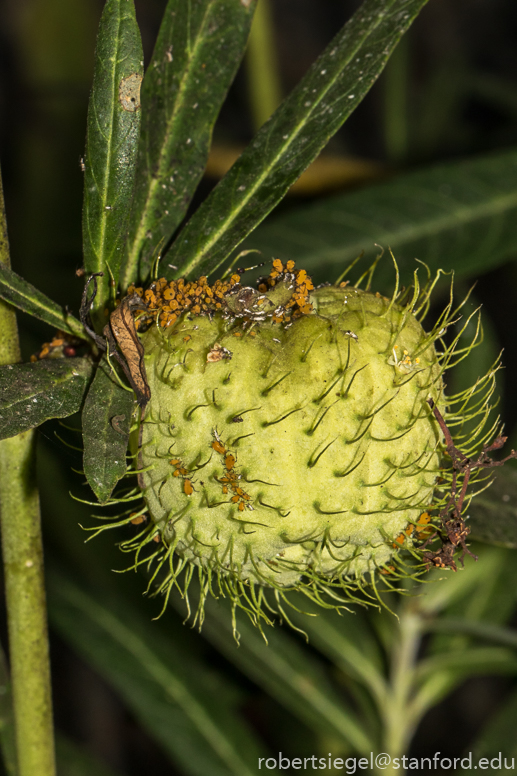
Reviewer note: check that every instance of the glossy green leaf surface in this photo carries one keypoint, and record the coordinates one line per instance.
(493, 514)
(294, 135)
(198, 51)
(111, 142)
(289, 674)
(15, 290)
(460, 216)
(30, 394)
(158, 680)
(106, 421)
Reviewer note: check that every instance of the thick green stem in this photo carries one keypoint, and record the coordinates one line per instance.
(398, 722)
(23, 569)
(262, 66)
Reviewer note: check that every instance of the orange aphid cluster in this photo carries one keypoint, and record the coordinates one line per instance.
(61, 346)
(180, 471)
(299, 303)
(167, 300)
(230, 479)
(422, 530)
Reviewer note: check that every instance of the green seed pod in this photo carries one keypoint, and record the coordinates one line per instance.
(295, 440)
(292, 446)
(300, 451)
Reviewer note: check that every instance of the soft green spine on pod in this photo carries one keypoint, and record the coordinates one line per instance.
(305, 454)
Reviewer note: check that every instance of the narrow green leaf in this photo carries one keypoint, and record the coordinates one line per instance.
(493, 514)
(294, 135)
(30, 394)
(439, 675)
(483, 595)
(111, 142)
(481, 630)
(106, 421)
(165, 687)
(198, 51)
(460, 215)
(467, 662)
(348, 642)
(289, 674)
(437, 686)
(453, 592)
(15, 290)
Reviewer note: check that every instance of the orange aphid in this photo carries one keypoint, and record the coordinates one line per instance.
(229, 461)
(388, 570)
(218, 447)
(422, 527)
(424, 519)
(188, 488)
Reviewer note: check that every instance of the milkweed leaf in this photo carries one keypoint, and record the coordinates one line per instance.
(18, 292)
(106, 421)
(199, 47)
(111, 142)
(30, 394)
(294, 135)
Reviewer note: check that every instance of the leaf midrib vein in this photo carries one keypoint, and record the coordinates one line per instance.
(101, 247)
(283, 149)
(460, 217)
(179, 103)
(169, 682)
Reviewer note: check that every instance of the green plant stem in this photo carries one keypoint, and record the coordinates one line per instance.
(23, 571)
(398, 723)
(262, 66)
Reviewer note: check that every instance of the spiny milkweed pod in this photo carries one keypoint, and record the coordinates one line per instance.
(290, 441)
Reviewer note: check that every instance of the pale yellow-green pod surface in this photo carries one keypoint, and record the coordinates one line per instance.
(275, 454)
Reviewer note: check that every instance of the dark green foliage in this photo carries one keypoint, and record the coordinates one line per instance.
(493, 514)
(295, 134)
(460, 216)
(111, 142)
(364, 677)
(23, 295)
(168, 690)
(30, 394)
(197, 54)
(106, 421)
